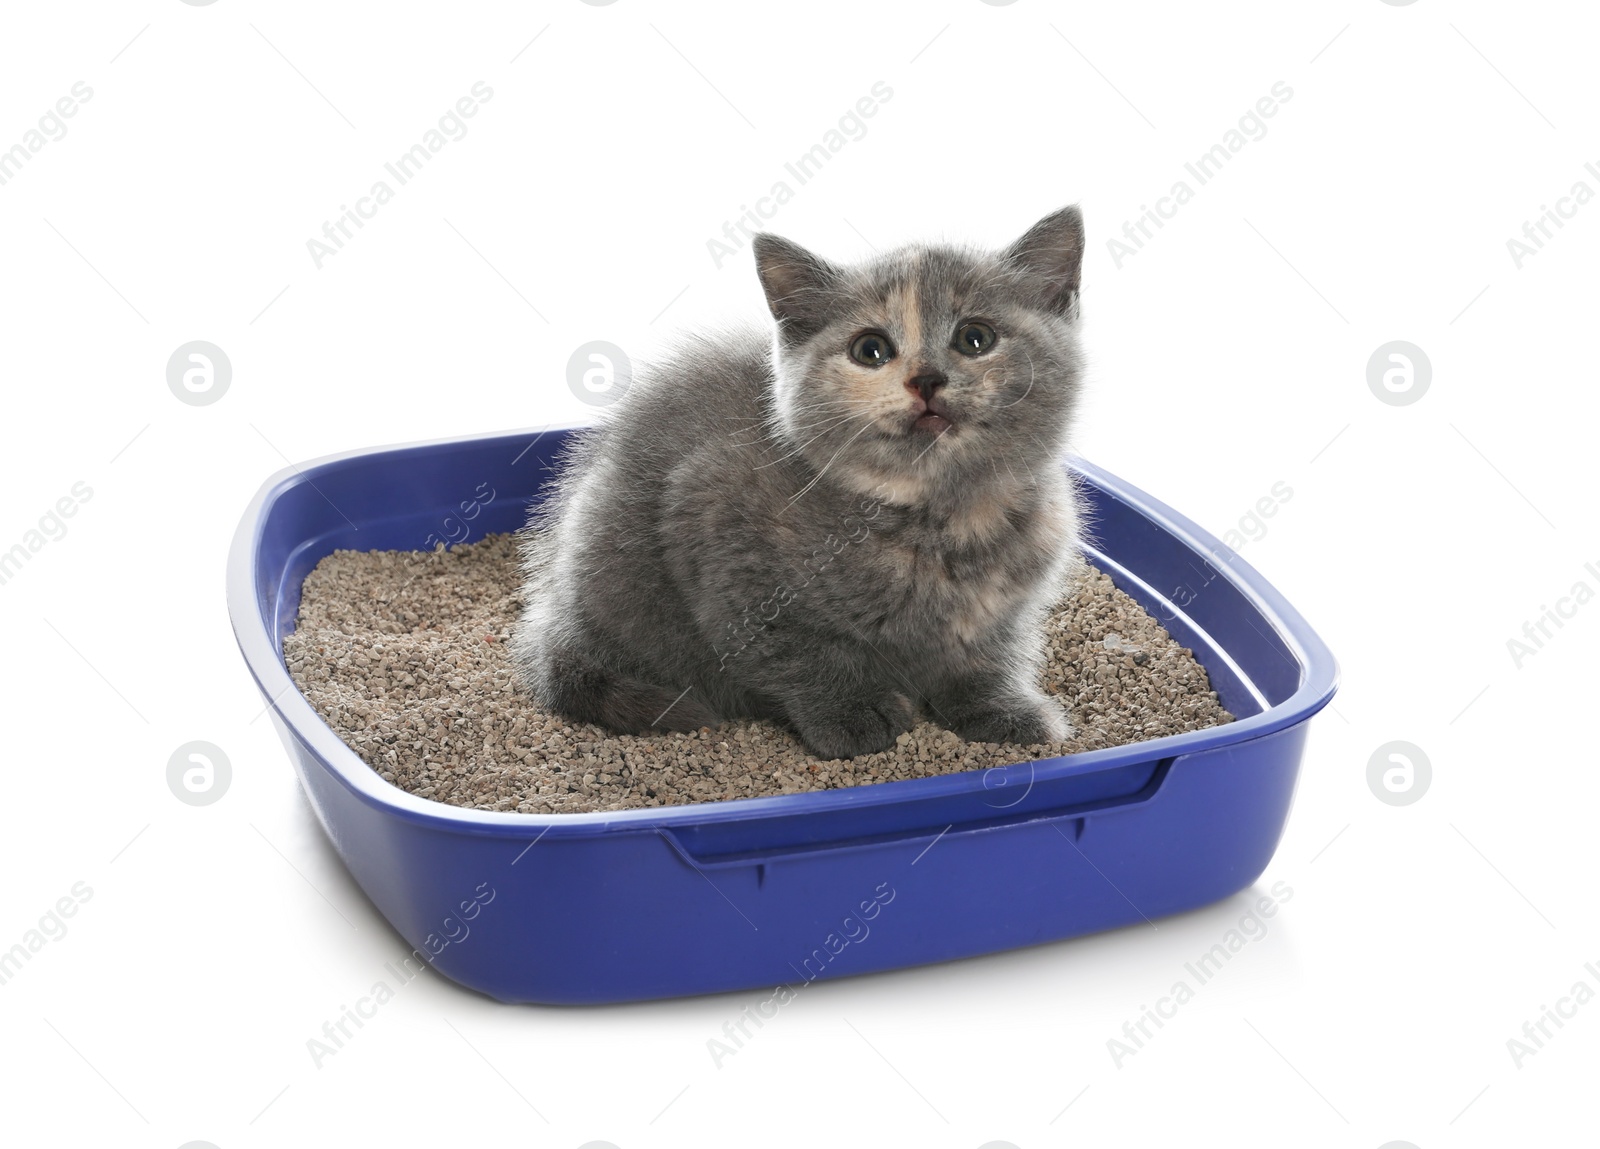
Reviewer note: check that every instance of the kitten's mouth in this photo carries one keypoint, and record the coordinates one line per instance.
(933, 417)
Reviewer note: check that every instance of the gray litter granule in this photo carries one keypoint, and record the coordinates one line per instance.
(403, 653)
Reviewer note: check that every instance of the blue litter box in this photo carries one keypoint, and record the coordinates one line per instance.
(770, 892)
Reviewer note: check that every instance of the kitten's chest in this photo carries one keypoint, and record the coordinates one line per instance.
(953, 583)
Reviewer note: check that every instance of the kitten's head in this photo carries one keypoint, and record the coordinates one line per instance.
(930, 369)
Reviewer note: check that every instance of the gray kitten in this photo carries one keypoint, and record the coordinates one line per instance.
(833, 528)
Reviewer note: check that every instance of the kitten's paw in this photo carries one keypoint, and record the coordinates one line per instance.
(1025, 722)
(859, 728)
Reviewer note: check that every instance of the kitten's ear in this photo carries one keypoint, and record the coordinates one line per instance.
(797, 284)
(1052, 253)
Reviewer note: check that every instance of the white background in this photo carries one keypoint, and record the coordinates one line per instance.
(1229, 354)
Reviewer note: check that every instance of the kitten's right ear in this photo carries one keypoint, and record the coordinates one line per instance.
(1052, 253)
(796, 282)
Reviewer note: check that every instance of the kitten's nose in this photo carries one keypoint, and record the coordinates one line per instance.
(926, 384)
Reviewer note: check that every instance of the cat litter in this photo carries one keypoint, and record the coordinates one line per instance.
(404, 655)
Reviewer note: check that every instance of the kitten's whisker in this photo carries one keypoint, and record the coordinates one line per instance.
(1032, 474)
(787, 434)
(840, 421)
(767, 420)
(1032, 375)
(814, 407)
(772, 431)
(784, 436)
(928, 448)
(825, 467)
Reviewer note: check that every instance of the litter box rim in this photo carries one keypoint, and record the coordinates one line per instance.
(1319, 676)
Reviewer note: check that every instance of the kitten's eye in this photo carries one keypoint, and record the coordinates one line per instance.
(974, 338)
(871, 349)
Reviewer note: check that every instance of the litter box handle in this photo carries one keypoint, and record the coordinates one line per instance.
(751, 841)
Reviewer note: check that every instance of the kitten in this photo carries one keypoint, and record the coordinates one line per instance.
(861, 517)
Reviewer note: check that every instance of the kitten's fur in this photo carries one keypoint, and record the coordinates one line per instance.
(763, 528)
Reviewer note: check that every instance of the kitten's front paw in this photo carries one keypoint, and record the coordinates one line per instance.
(859, 728)
(1023, 723)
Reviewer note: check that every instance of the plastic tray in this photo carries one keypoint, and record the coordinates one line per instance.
(767, 892)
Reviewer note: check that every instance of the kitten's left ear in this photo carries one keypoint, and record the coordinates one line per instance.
(1052, 252)
(797, 284)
